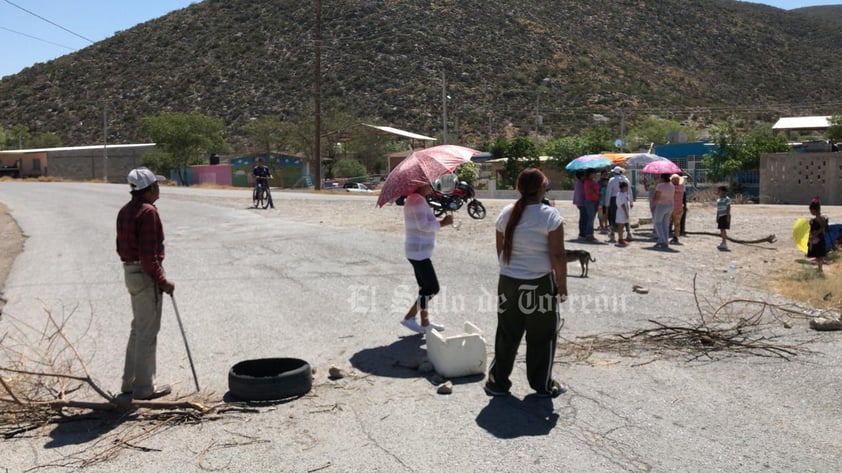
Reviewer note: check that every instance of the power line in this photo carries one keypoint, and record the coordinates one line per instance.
(36, 38)
(48, 21)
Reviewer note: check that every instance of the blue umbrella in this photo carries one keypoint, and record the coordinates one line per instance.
(589, 161)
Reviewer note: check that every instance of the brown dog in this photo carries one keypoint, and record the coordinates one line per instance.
(582, 256)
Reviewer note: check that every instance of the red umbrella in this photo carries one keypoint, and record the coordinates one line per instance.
(662, 166)
(422, 167)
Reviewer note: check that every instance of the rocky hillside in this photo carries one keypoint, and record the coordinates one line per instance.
(535, 65)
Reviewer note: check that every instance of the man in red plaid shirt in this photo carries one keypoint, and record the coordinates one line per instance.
(140, 244)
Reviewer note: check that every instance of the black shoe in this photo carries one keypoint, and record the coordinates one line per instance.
(155, 394)
(555, 391)
(493, 391)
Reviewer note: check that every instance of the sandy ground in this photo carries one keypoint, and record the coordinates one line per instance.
(755, 264)
(612, 411)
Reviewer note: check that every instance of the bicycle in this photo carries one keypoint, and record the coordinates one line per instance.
(260, 195)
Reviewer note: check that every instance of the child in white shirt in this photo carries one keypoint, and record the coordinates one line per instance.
(623, 212)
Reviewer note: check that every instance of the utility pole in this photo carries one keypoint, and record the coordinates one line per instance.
(317, 92)
(622, 127)
(105, 142)
(444, 106)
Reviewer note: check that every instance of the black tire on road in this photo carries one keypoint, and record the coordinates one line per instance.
(270, 379)
(476, 210)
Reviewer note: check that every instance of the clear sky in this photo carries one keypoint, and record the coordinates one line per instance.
(26, 39)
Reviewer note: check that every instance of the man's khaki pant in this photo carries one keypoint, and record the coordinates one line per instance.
(139, 371)
(676, 220)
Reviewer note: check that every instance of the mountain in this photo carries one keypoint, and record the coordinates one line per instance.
(825, 12)
(546, 66)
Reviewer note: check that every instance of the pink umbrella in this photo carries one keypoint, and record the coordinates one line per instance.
(422, 167)
(662, 166)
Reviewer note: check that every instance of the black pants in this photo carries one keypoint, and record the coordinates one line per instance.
(525, 306)
(428, 283)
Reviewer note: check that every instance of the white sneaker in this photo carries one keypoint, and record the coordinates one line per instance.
(412, 324)
(432, 325)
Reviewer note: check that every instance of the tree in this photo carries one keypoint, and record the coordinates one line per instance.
(658, 131)
(834, 132)
(599, 139)
(367, 146)
(521, 153)
(181, 139)
(740, 151)
(298, 136)
(564, 150)
(265, 133)
(468, 172)
(349, 168)
(18, 137)
(45, 140)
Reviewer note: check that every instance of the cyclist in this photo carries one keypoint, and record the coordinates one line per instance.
(262, 174)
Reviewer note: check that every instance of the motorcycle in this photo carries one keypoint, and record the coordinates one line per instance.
(462, 194)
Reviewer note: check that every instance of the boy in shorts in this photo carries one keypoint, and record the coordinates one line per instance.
(723, 216)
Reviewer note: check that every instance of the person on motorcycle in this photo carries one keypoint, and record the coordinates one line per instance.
(262, 174)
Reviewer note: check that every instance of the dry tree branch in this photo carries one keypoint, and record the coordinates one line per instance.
(733, 327)
(768, 239)
(79, 359)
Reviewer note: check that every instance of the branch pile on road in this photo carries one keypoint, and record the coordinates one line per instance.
(44, 380)
(733, 327)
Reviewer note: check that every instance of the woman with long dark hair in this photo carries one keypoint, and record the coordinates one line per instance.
(532, 282)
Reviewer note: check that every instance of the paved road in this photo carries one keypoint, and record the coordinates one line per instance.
(251, 284)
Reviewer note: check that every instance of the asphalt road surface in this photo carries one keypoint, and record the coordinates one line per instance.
(252, 283)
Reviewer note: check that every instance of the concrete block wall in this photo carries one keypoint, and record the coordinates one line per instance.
(795, 178)
(89, 164)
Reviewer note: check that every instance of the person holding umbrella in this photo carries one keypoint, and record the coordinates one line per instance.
(140, 244)
(531, 284)
(662, 207)
(421, 229)
(412, 177)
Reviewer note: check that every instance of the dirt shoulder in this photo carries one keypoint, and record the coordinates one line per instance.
(11, 245)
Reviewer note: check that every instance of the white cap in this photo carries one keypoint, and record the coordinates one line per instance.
(141, 178)
(618, 170)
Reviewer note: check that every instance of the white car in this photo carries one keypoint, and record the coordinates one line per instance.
(355, 187)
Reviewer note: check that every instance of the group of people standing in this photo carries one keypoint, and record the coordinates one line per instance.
(610, 200)
(607, 199)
